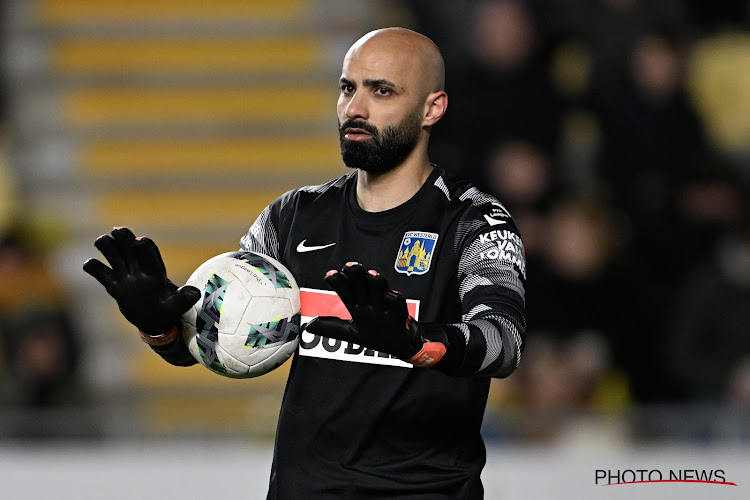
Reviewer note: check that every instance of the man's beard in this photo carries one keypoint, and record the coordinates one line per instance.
(382, 152)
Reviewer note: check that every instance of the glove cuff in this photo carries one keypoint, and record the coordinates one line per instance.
(160, 340)
(431, 341)
(431, 353)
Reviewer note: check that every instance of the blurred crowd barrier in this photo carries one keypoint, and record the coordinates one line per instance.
(231, 469)
(616, 131)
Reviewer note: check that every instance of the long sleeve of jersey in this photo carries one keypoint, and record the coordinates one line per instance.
(491, 275)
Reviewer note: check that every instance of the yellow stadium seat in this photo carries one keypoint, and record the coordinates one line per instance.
(189, 157)
(149, 370)
(182, 258)
(145, 55)
(181, 106)
(718, 81)
(218, 207)
(182, 400)
(130, 11)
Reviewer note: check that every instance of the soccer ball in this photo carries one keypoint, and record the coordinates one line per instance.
(248, 321)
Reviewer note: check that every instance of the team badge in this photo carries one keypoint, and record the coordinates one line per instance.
(416, 251)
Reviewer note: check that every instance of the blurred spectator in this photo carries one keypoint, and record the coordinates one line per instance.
(503, 92)
(522, 175)
(9, 205)
(40, 350)
(586, 285)
(613, 26)
(709, 345)
(584, 324)
(738, 388)
(42, 358)
(611, 29)
(650, 135)
(709, 202)
(719, 14)
(446, 24)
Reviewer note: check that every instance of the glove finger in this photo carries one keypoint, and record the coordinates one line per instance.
(100, 272)
(395, 304)
(182, 300)
(125, 240)
(108, 247)
(339, 283)
(149, 257)
(333, 328)
(358, 282)
(377, 287)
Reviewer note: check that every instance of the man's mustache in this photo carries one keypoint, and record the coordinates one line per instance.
(361, 124)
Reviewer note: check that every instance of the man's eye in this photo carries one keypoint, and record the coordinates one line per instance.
(383, 91)
(347, 89)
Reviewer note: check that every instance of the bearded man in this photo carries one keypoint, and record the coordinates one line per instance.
(388, 401)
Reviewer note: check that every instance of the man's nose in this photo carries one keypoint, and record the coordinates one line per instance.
(357, 106)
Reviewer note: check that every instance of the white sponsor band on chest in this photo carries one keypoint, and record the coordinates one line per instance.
(326, 303)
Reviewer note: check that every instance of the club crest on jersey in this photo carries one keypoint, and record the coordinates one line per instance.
(415, 253)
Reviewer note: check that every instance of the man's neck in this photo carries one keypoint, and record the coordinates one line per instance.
(380, 192)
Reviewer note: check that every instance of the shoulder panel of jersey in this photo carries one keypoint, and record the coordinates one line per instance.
(265, 234)
(480, 211)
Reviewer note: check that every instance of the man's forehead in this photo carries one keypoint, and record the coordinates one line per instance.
(402, 38)
(379, 63)
(396, 54)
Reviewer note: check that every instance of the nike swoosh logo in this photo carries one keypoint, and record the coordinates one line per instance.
(493, 222)
(301, 248)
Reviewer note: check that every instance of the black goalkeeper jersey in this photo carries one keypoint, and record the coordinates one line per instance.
(359, 424)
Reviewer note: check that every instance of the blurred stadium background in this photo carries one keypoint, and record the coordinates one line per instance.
(616, 131)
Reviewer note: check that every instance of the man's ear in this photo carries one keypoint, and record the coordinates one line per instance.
(435, 106)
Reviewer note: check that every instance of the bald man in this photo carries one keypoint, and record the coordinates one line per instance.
(391, 94)
(387, 391)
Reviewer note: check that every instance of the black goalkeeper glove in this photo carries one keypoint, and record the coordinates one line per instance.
(138, 282)
(380, 318)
